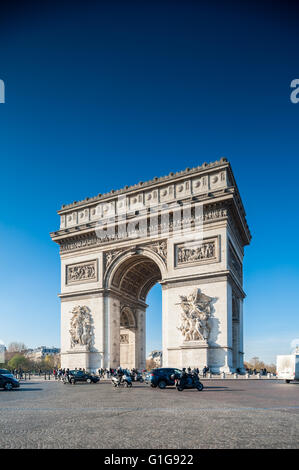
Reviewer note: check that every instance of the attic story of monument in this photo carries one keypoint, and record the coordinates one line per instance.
(186, 231)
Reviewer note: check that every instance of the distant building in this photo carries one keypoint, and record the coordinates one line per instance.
(156, 356)
(40, 353)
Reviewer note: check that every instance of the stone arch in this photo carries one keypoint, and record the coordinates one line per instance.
(127, 318)
(128, 279)
(135, 272)
(191, 233)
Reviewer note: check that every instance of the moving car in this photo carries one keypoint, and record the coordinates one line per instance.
(6, 373)
(80, 376)
(8, 383)
(164, 376)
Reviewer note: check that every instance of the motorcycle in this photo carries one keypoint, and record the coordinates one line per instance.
(139, 378)
(121, 381)
(188, 381)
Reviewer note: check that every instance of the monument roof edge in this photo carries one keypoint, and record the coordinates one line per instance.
(128, 189)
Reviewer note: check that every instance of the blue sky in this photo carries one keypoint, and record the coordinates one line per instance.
(104, 94)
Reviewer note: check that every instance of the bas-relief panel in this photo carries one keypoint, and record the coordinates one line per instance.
(197, 252)
(81, 272)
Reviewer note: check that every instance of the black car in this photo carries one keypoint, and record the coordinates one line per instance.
(80, 376)
(8, 383)
(164, 376)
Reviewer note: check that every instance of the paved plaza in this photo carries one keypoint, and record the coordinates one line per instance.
(226, 414)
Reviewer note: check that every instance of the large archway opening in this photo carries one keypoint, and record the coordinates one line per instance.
(154, 324)
(132, 276)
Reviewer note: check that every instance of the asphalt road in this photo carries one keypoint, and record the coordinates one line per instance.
(226, 414)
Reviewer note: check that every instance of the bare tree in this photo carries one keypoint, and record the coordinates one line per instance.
(16, 347)
(150, 364)
(257, 364)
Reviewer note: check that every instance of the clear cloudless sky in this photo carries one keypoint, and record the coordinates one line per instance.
(100, 95)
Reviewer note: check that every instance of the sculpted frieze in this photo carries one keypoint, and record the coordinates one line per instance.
(81, 272)
(197, 252)
(149, 228)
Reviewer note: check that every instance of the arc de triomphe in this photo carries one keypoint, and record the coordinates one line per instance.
(186, 231)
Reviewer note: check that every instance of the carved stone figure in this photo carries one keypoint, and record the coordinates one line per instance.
(124, 339)
(160, 248)
(81, 327)
(110, 255)
(195, 315)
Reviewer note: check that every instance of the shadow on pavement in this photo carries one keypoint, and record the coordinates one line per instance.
(24, 389)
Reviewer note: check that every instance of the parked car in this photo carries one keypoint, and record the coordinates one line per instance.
(164, 376)
(8, 383)
(6, 373)
(80, 376)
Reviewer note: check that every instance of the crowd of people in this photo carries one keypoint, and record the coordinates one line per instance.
(255, 371)
(60, 373)
(106, 373)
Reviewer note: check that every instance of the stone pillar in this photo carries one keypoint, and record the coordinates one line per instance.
(114, 333)
(194, 354)
(141, 339)
(241, 341)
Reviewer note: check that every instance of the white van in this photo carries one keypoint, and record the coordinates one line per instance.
(288, 367)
